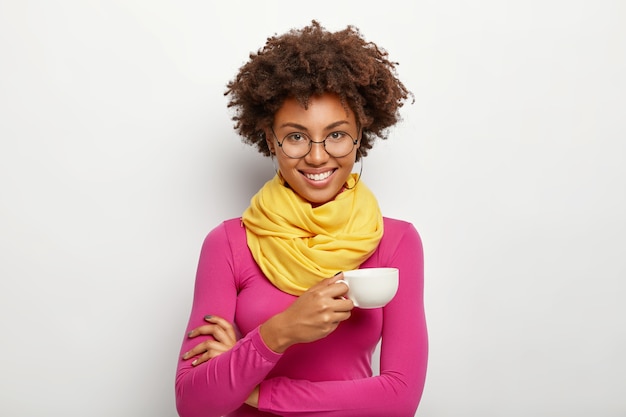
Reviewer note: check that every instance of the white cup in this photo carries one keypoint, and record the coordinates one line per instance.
(371, 287)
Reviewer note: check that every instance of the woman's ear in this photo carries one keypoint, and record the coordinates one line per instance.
(270, 143)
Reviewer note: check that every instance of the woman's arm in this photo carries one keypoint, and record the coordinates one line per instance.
(397, 391)
(222, 384)
(223, 378)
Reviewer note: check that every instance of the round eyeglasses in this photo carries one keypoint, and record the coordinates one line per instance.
(296, 145)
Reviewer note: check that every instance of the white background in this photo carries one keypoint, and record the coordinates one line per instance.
(117, 156)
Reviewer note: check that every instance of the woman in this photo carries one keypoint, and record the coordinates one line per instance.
(271, 331)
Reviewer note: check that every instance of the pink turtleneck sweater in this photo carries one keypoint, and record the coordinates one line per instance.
(328, 377)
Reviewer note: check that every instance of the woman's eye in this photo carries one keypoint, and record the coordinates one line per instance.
(336, 135)
(296, 137)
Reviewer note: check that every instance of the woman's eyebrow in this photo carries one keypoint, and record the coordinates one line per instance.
(305, 129)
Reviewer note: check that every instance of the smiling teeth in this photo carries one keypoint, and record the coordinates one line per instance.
(318, 177)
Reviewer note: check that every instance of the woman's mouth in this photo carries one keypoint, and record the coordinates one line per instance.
(318, 176)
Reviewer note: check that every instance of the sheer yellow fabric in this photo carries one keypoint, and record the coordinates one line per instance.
(297, 245)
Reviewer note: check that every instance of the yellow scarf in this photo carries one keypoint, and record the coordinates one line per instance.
(297, 245)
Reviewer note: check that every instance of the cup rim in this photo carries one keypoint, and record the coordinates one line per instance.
(361, 271)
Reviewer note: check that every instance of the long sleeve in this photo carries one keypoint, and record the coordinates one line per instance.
(222, 384)
(404, 350)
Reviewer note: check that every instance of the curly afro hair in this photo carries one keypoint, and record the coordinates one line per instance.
(311, 61)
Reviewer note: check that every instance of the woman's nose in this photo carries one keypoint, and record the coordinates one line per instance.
(318, 154)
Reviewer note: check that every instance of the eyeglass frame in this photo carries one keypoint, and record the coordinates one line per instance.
(311, 142)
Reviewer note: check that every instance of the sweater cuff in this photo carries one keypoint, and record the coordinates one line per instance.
(266, 390)
(261, 347)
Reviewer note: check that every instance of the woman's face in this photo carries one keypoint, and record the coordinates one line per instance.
(317, 177)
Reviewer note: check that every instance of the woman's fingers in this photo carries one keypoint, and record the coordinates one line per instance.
(205, 351)
(338, 289)
(219, 328)
(223, 338)
(201, 348)
(343, 305)
(214, 330)
(225, 325)
(318, 311)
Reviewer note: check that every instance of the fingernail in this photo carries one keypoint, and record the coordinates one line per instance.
(208, 317)
(189, 334)
(337, 273)
(185, 355)
(194, 363)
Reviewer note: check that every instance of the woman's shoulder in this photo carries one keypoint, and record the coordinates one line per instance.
(230, 230)
(396, 231)
(400, 241)
(394, 226)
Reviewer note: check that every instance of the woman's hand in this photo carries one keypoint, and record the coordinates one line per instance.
(253, 398)
(224, 338)
(314, 315)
